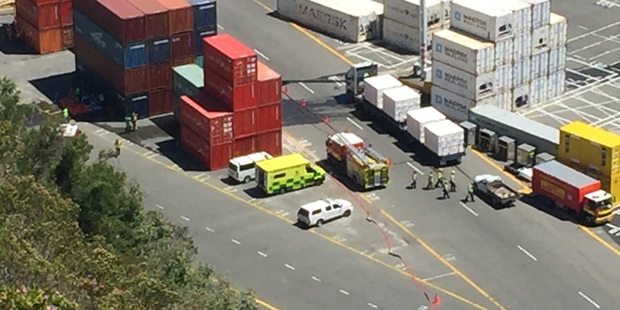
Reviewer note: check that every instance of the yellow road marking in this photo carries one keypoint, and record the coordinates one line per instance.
(599, 239)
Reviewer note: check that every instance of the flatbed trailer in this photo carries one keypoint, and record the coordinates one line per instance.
(498, 194)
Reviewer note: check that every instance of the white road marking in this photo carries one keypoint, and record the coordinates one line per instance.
(147, 153)
(305, 143)
(373, 197)
(159, 207)
(407, 223)
(617, 212)
(588, 299)
(614, 230)
(415, 168)
(99, 130)
(343, 292)
(583, 27)
(185, 218)
(439, 276)
(468, 209)
(354, 123)
(316, 279)
(220, 27)
(261, 254)
(373, 305)
(449, 257)
(196, 177)
(261, 54)
(230, 189)
(209, 230)
(152, 156)
(340, 239)
(401, 266)
(103, 133)
(235, 241)
(337, 80)
(289, 266)
(307, 88)
(527, 253)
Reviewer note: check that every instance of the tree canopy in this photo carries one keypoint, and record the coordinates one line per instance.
(70, 239)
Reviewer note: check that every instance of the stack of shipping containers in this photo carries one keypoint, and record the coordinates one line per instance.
(401, 22)
(45, 25)
(558, 28)
(205, 24)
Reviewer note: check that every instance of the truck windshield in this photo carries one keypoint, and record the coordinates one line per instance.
(597, 205)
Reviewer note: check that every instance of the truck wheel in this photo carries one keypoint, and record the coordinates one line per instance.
(247, 179)
(347, 213)
(283, 190)
(319, 223)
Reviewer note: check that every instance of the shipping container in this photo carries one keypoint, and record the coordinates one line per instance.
(481, 19)
(539, 66)
(269, 117)
(198, 35)
(245, 146)
(376, 85)
(557, 84)
(611, 184)
(67, 36)
(538, 91)
(520, 97)
(404, 38)
(187, 80)
(136, 103)
(521, 14)
(453, 106)
(160, 75)
(463, 52)
(181, 46)
(128, 82)
(398, 101)
(133, 55)
(558, 31)
(180, 16)
(43, 17)
(271, 142)
(269, 84)
(208, 118)
(159, 50)
(230, 59)
(503, 78)
(347, 20)
(241, 97)
(521, 72)
(475, 87)
(407, 12)
(205, 14)
(504, 51)
(213, 157)
(557, 59)
(541, 12)
(66, 13)
(444, 138)
(522, 46)
(159, 102)
(183, 61)
(119, 18)
(199, 60)
(245, 123)
(42, 41)
(504, 100)
(540, 40)
(418, 119)
(43, 2)
(590, 148)
(522, 129)
(156, 18)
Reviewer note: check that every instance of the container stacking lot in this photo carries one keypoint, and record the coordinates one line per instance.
(46, 26)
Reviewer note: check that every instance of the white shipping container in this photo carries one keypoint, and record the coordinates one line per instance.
(347, 20)
(556, 84)
(538, 91)
(504, 52)
(541, 12)
(520, 97)
(558, 31)
(376, 85)
(521, 72)
(521, 14)
(444, 138)
(400, 100)
(503, 78)
(402, 36)
(539, 65)
(557, 59)
(455, 107)
(417, 119)
(446, 11)
(522, 46)
(407, 12)
(540, 40)
(463, 52)
(471, 86)
(504, 100)
(481, 19)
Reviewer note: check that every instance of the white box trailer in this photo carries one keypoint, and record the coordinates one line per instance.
(463, 52)
(346, 20)
(557, 60)
(402, 36)
(376, 85)
(481, 19)
(445, 138)
(475, 87)
(417, 119)
(407, 12)
(398, 101)
(541, 12)
(558, 31)
(455, 107)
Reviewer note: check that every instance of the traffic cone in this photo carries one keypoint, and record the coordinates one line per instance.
(302, 102)
(325, 119)
(436, 300)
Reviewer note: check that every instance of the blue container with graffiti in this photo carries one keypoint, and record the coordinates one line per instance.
(198, 35)
(159, 50)
(205, 14)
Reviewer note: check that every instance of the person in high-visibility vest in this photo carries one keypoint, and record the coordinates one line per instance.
(414, 179)
(470, 193)
(65, 113)
(127, 123)
(440, 179)
(453, 181)
(446, 192)
(117, 145)
(134, 121)
(430, 184)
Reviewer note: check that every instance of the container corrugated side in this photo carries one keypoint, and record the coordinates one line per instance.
(159, 101)
(119, 18)
(205, 14)
(245, 146)
(463, 52)
(208, 118)
(269, 84)
(522, 46)
(522, 72)
(187, 80)
(503, 78)
(180, 16)
(520, 97)
(557, 59)
(160, 76)
(557, 84)
(348, 20)
(404, 38)
(539, 66)
(482, 20)
(156, 18)
(475, 87)
(42, 17)
(558, 31)
(455, 107)
(42, 41)
(444, 138)
(406, 12)
(159, 50)
(240, 97)
(244, 123)
(376, 85)
(541, 12)
(181, 45)
(503, 100)
(400, 100)
(213, 157)
(538, 91)
(230, 59)
(66, 13)
(540, 40)
(269, 117)
(271, 142)
(521, 14)
(504, 51)
(417, 119)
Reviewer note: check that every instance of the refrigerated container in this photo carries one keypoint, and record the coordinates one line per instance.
(557, 59)
(538, 91)
(558, 31)
(540, 40)
(42, 17)
(347, 20)
(463, 52)
(403, 37)
(180, 16)
(445, 138)
(539, 66)
(503, 78)
(269, 117)
(520, 97)
(503, 100)
(418, 119)
(590, 148)
(245, 146)
(181, 45)
(42, 41)
(271, 142)
(486, 21)
(269, 84)
(66, 13)
(157, 21)
(522, 46)
(521, 72)
(504, 52)
(407, 12)
(521, 14)
(160, 75)
(210, 120)
(240, 97)
(557, 84)
(213, 157)
(119, 18)
(376, 85)
(453, 106)
(229, 58)
(186, 80)
(244, 123)
(541, 12)
(398, 101)
(205, 14)
(160, 101)
(159, 50)
(475, 87)
(198, 35)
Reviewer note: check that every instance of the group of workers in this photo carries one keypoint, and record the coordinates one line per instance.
(131, 124)
(446, 186)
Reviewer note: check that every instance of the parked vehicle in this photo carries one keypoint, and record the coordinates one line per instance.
(242, 169)
(496, 192)
(322, 211)
(287, 173)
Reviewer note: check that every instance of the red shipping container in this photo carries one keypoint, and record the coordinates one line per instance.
(244, 123)
(156, 16)
(207, 118)
(230, 59)
(42, 2)
(42, 41)
(240, 97)
(67, 36)
(181, 46)
(214, 157)
(269, 85)
(119, 18)
(183, 61)
(160, 75)
(269, 117)
(127, 82)
(181, 15)
(159, 102)
(245, 146)
(271, 142)
(42, 17)
(66, 13)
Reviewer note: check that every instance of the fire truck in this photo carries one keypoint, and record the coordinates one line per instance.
(366, 167)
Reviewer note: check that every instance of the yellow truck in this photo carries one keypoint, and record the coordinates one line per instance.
(287, 173)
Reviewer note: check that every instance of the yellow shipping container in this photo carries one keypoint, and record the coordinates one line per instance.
(612, 185)
(589, 149)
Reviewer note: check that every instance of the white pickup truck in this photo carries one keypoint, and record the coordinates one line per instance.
(321, 211)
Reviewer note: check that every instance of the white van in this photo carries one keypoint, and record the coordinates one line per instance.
(321, 211)
(243, 168)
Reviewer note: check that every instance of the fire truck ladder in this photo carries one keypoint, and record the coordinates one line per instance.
(355, 152)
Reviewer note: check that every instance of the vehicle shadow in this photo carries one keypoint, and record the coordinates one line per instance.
(256, 193)
(543, 206)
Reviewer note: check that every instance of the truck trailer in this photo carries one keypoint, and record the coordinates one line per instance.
(496, 192)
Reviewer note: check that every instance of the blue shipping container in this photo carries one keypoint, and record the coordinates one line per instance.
(159, 50)
(133, 55)
(198, 35)
(200, 61)
(138, 103)
(205, 14)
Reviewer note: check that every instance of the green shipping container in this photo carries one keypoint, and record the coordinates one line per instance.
(200, 61)
(187, 80)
